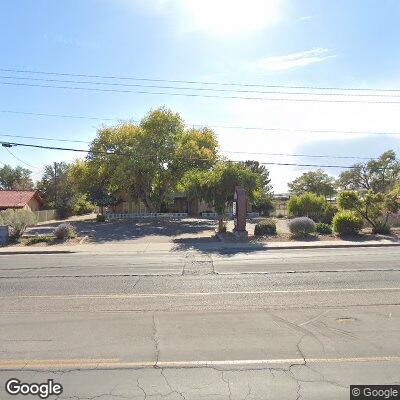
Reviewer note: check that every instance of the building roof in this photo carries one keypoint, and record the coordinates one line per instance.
(17, 198)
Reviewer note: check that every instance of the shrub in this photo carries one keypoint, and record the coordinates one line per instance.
(81, 205)
(17, 220)
(312, 206)
(64, 231)
(382, 228)
(329, 212)
(301, 226)
(100, 218)
(346, 222)
(38, 239)
(265, 227)
(323, 229)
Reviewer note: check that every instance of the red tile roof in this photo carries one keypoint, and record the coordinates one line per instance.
(17, 198)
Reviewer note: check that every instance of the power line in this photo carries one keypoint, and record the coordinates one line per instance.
(201, 88)
(133, 78)
(18, 159)
(225, 151)
(197, 95)
(252, 128)
(12, 144)
(301, 155)
(57, 115)
(45, 138)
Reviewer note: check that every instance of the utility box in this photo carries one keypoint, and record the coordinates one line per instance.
(3, 235)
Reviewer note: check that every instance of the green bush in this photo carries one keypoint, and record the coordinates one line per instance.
(346, 222)
(65, 231)
(38, 239)
(329, 212)
(301, 226)
(80, 205)
(17, 221)
(265, 227)
(100, 218)
(323, 229)
(312, 206)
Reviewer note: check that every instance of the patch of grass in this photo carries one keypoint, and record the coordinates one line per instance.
(39, 239)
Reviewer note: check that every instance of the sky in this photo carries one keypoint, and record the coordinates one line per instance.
(254, 42)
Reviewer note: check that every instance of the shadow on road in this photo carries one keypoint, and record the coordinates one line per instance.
(101, 232)
(211, 245)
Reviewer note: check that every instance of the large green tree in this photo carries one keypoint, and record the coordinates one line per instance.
(90, 178)
(149, 159)
(17, 178)
(55, 186)
(263, 200)
(379, 175)
(317, 182)
(375, 208)
(217, 186)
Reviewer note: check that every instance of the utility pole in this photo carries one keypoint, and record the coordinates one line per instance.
(55, 185)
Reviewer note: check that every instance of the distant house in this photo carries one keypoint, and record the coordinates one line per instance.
(17, 199)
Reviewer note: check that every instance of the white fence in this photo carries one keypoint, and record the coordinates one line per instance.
(144, 215)
(228, 215)
(45, 215)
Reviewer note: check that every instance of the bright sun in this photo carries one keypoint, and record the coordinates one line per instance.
(223, 17)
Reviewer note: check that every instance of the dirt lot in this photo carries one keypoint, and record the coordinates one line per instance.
(178, 231)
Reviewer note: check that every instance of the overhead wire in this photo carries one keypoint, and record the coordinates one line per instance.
(201, 88)
(81, 88)
(135, 78)
(12, 144)
(238, 127)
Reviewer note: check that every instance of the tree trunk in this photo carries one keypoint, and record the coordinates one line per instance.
(220, 222)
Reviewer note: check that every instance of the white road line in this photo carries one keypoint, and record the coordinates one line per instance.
(197, 294)
(116, 363)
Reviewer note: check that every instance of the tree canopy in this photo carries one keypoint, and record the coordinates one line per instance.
(149, 159)
(379, 175)
(17, 178)
(317, 182)
(375, 208)
(54, 187)
(217, 186)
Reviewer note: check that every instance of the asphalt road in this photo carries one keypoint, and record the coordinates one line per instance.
(277, 324)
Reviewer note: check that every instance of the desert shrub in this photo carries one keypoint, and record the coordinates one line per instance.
(17, 221)
(38, 239)
(100, 218)
(328, 213)
(301, 226)
(346, 222)
(323, 229)
(65, 231)
(265, 227)
(312, 206)
(382, 228)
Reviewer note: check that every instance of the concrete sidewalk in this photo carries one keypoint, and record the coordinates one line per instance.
(195, 245)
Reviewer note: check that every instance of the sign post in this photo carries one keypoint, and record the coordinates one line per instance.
(239, 212)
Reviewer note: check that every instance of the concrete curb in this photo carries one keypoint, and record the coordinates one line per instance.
(10, 253)
(302, 247)
(215, 247)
